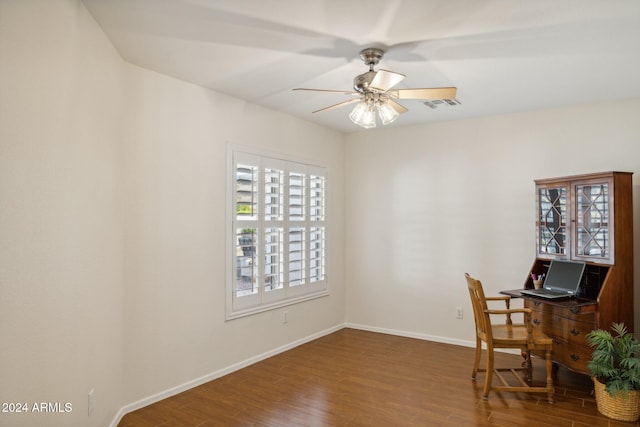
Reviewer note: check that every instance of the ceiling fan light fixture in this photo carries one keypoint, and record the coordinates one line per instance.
(364, 114)
(386, 112)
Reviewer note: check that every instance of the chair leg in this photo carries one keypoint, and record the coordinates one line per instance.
(476, 362)
(529, 366)
(489, 376)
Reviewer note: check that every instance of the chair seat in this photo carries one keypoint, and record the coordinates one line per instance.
(512, 336)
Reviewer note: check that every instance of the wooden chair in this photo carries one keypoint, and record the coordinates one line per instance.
(521, 336)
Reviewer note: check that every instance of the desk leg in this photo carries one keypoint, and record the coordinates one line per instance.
(549, 366)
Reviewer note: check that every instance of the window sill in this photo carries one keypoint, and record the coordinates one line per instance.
(236, 314)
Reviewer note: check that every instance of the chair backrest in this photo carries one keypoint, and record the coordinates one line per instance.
(479, 303)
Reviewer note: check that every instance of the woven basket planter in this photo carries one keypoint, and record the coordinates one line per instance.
(622, 406)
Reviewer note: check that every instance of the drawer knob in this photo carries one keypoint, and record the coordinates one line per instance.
(537, 303)
(536, 321)
(574, 357)
(575, 310)
(574, 331)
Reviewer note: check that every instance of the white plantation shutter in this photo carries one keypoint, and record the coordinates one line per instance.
(296, 254)
(247, 176)
(274, 259)
(274, 194)
(246, 230)
(297, 195)
(273, 279)
(316, 254)
(278, 238)
(317, 244)
(297, 192)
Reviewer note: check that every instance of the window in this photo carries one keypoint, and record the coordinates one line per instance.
(277, 245)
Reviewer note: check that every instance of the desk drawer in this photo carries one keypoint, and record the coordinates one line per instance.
(575, 332)
(555, 326)
(575, 357)
(581, 313)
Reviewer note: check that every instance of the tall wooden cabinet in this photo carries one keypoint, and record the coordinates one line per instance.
(587, 218)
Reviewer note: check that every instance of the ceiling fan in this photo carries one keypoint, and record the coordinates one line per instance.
(375, 93)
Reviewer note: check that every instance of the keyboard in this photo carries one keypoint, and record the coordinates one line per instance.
(546, 293)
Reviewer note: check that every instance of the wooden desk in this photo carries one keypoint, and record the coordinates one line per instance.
(584, 218)
(567, 322)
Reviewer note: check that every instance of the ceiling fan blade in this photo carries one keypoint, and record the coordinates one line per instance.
(424, 93)
(341, 104)
(346, 92)
(385, 80)
(399, 108)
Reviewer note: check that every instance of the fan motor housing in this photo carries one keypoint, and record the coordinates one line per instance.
(361, 83)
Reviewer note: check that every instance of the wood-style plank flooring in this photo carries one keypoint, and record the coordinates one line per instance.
(359, 378)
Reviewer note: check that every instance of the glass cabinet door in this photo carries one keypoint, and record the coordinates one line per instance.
(592, 216)
(552, 221)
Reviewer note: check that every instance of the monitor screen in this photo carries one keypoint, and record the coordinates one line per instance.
(564, 276)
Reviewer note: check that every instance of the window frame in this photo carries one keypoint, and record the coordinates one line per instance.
(259, 299)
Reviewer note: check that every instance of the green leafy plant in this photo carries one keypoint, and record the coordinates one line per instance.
(613, 361)
(243, 209)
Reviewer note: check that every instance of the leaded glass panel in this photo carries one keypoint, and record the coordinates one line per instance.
(552, 220)
(592, 220)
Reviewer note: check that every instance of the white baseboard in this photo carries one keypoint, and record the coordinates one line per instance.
(217, 374)
(426, 337)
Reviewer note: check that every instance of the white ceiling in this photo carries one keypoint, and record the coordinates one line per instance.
(502, 55)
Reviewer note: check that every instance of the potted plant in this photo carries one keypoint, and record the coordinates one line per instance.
(616, 372)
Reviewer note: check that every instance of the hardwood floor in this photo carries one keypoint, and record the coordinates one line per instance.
(358, 378)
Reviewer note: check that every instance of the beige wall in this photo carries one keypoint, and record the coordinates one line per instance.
(112, 223)
(61, 222)
(458, 197)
